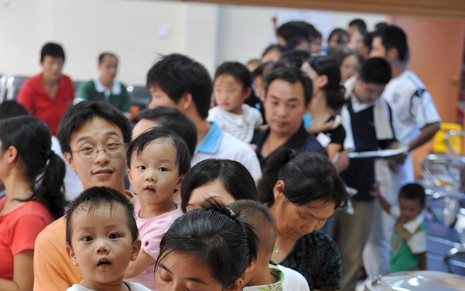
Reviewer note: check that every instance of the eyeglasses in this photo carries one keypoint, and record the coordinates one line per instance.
(91, 152)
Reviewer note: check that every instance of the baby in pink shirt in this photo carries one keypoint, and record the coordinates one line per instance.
(157, 160)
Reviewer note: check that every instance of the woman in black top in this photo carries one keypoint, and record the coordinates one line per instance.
(302, 190)
(327, 101)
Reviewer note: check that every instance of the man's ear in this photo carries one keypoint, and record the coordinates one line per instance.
(392, 54)
(69, 159)
(71, 254)
(135, 249)
(237, 286)
(186, 102)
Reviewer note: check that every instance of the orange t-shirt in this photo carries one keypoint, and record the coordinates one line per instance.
(18, 231)
(53, 268)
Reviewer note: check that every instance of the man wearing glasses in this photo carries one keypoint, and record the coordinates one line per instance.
(93, 138)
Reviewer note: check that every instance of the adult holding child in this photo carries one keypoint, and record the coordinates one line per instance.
(29, 206)
(302, 190)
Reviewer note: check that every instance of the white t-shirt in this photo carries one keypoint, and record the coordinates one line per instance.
(417, 243)
(132, 286)
(411, 104)
(218, 144)
(241, 126)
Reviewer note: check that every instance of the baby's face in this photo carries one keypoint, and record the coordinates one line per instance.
(409, 209)
(154, 173)
(102, 244)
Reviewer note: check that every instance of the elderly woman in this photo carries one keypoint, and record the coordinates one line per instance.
(302, 190)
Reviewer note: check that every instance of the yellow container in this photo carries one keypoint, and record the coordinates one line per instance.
(439, 140)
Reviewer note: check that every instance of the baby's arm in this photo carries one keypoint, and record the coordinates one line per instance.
(422, 265)
(377, 194)
(136, 267)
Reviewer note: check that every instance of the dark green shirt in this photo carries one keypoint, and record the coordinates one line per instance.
(93, 90)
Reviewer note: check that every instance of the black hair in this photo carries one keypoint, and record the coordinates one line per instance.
(360, 24)
(77, 115)
(102, 56)
(217, 238)
(413, 191)
(380, 25)
(271, 47)
(95, 197)
(175, 120)
(338, 52)
(375, 70)
(317, 34)
(177, 75)
(294, 42)
(334, 91)
(262, 70)
(11, 108)
(235, 177)
(307, 177)
(260, 218)
(183, 157)
(368, 40)
(52, 49)
(291, 75)
(292, 29)
(43, 168)
(393, 36)
(236, 70)
(295, 58)
(339, 33)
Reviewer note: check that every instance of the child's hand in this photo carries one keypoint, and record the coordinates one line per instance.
(375, 190)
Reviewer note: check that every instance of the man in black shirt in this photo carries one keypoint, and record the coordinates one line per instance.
(367, 120)
(288, 93)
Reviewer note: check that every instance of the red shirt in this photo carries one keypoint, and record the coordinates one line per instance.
(18, 231)
(33, 96)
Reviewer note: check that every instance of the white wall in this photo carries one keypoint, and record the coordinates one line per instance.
(137, 31)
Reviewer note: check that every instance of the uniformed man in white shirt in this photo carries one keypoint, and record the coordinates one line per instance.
(416, 120)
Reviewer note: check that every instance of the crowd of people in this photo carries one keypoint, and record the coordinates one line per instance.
(241, 182)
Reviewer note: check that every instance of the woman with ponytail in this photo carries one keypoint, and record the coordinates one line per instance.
(33, 178)
(302, 190)
(327, 101)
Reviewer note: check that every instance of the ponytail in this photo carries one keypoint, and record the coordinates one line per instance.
(49, 188)
(44, 170)
(271, 174)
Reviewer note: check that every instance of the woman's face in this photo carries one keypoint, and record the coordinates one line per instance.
(349, 67)
(293, 220)
(184, 271)
(214, 189)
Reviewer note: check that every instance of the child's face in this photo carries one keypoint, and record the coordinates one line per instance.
(184, 271)
(229, 93)
(154, 173)
(409, 209)
(102, 244)
(214, 189)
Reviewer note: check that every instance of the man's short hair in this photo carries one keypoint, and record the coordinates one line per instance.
(177, 75)
(75, 117)
(393, 36)
(102, 56)
(172, 118)
(52, 49)
(291, 75)
(375, 70)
